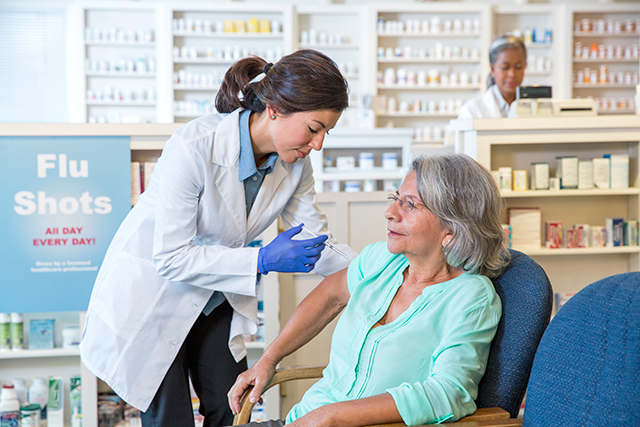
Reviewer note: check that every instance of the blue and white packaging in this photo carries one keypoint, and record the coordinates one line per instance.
(41, 334)
(615, 231)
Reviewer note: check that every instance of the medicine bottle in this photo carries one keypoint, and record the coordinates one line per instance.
(39, 393)
(17, 332)
(9, 406)
(5, 332)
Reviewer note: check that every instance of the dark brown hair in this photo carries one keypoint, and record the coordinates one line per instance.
(305, 80)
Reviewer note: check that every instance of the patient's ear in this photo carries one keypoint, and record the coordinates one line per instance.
(447, 239)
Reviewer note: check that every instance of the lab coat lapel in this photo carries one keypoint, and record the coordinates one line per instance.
(226, 154)
(264, 199)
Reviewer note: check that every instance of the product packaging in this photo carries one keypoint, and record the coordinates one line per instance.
(631, 232)
(582, 234)
(21, 390)
(619, 175)
(526, 227)
(553, 239)
(5, 332)
(9, 407)
(507, 235)
(30, 415)
(567, 171)
(615, 231)
(506, 178)
(540, 176)
(39, 393)
(17, 332)
(41, 334)
(598, 236)
(70, 337)
(585, 174)
(55, 411)
(601, 168)
(520, 180)
(75, 400)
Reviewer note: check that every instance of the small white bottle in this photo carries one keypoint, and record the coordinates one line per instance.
(21, 390)
(9, 406)
(39, 393)
(17, 332)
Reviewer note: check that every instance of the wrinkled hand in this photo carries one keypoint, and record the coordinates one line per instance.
(285, 255)
(257, 376)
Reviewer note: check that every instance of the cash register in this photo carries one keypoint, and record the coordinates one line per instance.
(535, 101)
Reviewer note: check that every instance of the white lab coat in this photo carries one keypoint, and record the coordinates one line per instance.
(184, 239)
(489, 105)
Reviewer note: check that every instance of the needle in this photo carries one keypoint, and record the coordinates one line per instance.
(329, 245)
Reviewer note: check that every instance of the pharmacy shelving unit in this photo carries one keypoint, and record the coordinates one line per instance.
(351, 142)
(342, 33)
(147, 142)
(466, 46)
(612, 96)
(198, 31)
(536, 24)
(517, 143)
(114, 66)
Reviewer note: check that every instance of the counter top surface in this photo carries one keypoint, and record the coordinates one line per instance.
(541, 123)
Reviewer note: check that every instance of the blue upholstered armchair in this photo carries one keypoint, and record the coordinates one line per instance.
(527, 300)
(587, 368)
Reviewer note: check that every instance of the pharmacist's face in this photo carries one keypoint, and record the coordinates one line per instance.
(508, 71)
(414, 231)
(295, 135)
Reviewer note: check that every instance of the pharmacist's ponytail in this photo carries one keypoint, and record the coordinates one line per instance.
(498, 46)
(305, 80)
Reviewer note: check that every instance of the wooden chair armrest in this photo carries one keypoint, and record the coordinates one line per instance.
(483, 417)
(282, 375)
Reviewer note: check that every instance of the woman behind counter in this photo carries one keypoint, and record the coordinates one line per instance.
(419, 311)
(508, 60)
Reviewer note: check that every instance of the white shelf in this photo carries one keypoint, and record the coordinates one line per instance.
(328, 46)
(569, 193)
(609, 61)
(116, 44)
(428, 60)
(203, 61)
(602, 86)
(615, 112)
(229, 35)
(333, 174)
(594, 34)
(30, 354)
(429, 87)
(436, 35)
(538, 73)
(118, 74)
(539, 46)
(423, 115)
(188, 115)
(196, 88)
(124, 103)
(581, 251)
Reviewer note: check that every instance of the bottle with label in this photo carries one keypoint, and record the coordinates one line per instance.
(21, 390)
(9, 407)
(75, 400)
(5, 332)
(17, 332)
(39, 393)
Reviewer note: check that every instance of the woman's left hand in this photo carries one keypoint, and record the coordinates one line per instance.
(320, 417)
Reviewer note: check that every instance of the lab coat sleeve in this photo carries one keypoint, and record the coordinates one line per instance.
(303, 208)
(458, 365)
(465, 112)
(176, 256)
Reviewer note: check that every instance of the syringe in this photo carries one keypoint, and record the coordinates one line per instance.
(329, 245)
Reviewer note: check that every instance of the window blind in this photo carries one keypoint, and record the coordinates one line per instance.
(33, 85)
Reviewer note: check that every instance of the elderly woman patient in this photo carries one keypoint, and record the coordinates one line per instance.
(419, 310)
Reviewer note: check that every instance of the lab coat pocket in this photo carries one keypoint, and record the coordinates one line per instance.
(127, 294)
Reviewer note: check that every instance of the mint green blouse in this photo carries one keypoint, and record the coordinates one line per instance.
(430, 359)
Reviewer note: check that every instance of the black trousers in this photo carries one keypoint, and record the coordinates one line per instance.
(206, 358)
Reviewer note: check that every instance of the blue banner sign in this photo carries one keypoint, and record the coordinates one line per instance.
(61, 201)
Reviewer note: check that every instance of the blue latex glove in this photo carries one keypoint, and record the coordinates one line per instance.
(285, 255)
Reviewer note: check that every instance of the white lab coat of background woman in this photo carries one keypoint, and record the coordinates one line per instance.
(198, 230)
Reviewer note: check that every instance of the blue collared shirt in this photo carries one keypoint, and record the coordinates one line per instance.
(252, 177)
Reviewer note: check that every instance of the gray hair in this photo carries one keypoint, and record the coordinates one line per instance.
(501, 44)
(466, 200)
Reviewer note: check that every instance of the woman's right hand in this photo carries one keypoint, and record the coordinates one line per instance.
(257, 376)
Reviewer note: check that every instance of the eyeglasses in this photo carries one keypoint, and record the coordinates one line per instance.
(406, 205)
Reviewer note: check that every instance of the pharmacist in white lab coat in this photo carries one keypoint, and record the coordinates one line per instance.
(508, 60)
(177, 288)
